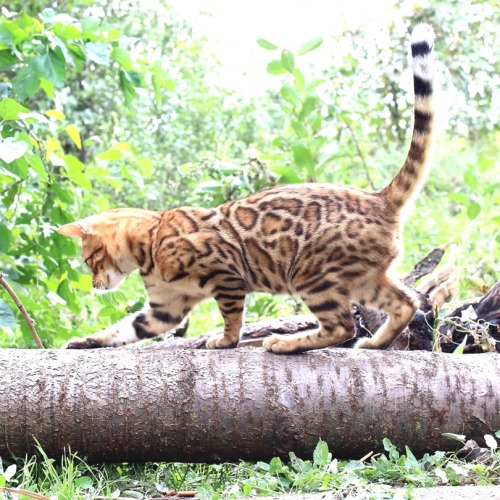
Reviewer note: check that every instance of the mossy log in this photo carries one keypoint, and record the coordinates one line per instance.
(113, 405)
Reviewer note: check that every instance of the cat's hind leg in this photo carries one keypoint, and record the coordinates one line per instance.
(397, 301)
(333, 311)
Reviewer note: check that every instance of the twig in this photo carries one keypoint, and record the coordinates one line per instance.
(24, 493)
(366, 457)
(25, 314)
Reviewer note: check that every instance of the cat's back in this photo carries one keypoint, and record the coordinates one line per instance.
(302, 209)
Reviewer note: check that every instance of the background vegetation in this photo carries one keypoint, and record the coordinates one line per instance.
(98, 110)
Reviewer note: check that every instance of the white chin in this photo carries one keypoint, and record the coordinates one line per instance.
(114, 281)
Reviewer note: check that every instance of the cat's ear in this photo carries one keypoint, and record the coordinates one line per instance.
(78, 229)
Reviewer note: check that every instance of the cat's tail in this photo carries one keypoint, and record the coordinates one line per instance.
(413, 173)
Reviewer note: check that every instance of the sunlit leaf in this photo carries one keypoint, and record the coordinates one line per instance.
(55, 113)
(473, 210)
(74, 134)
(460, 348)
(471, 180)
(98, 52)
(310, 45)
(266, 45)
(10, 472)
(10, 109)
(276, 68)
(288, 61)
(490, 441)
(47, 87)
(11, 149)
(76, 172)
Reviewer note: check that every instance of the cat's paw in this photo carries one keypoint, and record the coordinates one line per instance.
(85, 343)
(278, 345)
(365, 343)
(221, 342)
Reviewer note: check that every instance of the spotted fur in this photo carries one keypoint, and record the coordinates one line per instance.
(328, 244)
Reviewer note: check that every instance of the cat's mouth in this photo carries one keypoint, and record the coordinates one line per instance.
(110, 283)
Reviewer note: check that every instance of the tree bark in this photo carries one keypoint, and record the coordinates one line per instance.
(114, 405)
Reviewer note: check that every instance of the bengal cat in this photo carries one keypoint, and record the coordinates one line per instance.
(328, 244)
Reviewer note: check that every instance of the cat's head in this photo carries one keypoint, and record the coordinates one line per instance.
(104, 249)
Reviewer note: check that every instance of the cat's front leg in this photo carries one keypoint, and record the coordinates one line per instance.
(149, 323)
(232, 307)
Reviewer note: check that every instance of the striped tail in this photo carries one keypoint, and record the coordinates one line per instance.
(412, 175)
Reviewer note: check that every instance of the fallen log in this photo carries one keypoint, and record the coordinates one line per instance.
(191, 405)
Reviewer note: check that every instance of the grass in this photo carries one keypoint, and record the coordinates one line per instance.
(71, 478)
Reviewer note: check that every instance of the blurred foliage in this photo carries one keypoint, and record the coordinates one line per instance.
(99, 110)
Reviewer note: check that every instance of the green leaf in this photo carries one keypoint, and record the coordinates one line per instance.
(471, 180)
(127, 86)
(299, 129)
(473, 210)
(460, 348)
(300, 80)
(11, 150)
(27, 81)
(52, 67)
(76, 174)
(10, 109)
(84, 482)
(37, 165)
(47, 87)
(308, 106)
(4, 239)
(7, 317)
(290, 95)
(98, 52)
(275, 465)
(122, 57)
(266, 45)
(18, 167)
(312, 85)
(310, 45)
(110, 155)
(302, 156)
(459, 198)
(276, 68)
(321, 456)
(286, 174)
(288, 61)
(7, 59)
(67, 32)
(63, 194)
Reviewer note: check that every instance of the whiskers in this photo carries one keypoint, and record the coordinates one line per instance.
(109, 297)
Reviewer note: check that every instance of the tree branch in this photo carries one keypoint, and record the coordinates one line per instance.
(19, 304)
